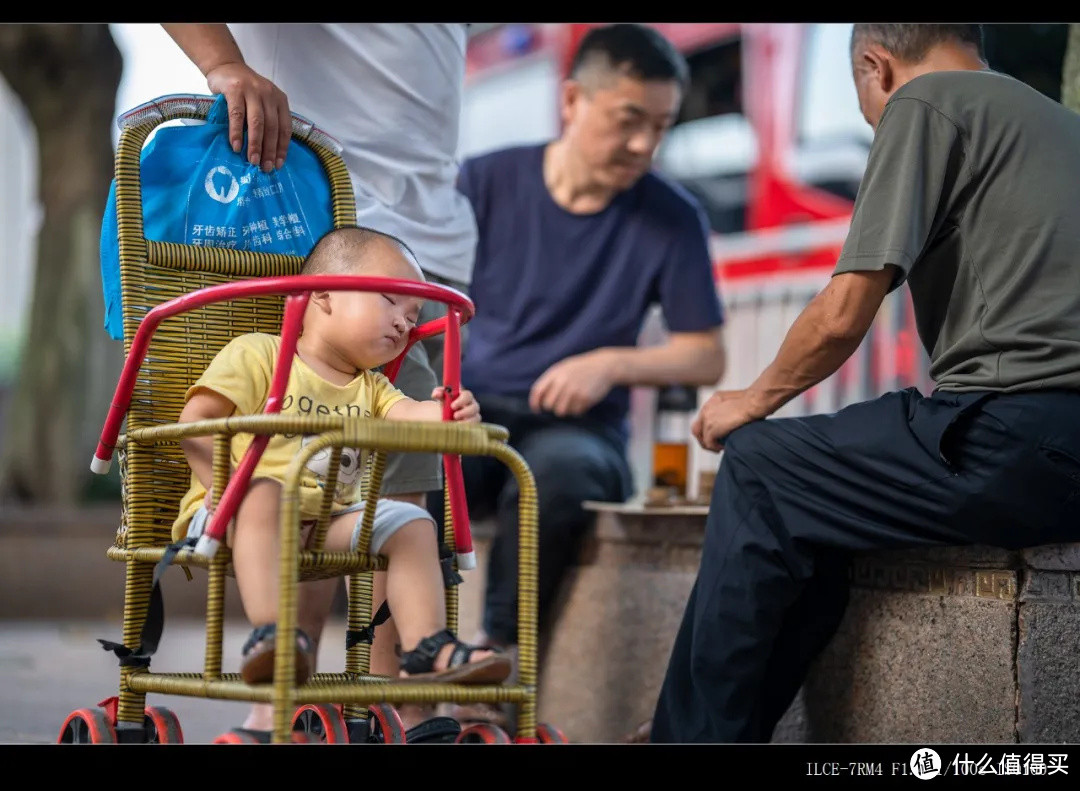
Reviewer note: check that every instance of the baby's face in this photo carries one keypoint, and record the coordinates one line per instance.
(372, 328)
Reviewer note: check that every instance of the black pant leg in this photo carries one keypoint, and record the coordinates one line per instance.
(570, 464)
(483, 477)
(871, 476)
(806, 630)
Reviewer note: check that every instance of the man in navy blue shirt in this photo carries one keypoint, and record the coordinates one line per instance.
(577, 239)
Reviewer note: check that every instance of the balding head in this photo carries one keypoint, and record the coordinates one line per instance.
(354, 250)
(884, 58)
(911, 42)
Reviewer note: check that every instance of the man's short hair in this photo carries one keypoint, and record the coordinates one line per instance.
(911, 42)
(331, 254)
(638, 51)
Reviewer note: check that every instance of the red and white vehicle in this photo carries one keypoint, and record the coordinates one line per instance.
(771, 141)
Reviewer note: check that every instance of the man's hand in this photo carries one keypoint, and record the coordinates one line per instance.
(573, 385)
(724, 412)
(265, 108)
(250, 96)
(466, 409)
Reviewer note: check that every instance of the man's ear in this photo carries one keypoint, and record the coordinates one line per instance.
(880, 63)
(321, 299)
(570, 94)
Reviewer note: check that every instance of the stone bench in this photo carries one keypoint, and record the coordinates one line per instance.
(951, 644)
(960, 644)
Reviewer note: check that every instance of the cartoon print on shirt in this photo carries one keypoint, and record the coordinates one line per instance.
(349, 469)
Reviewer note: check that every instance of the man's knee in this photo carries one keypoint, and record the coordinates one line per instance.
(748, 441)
(567, 477)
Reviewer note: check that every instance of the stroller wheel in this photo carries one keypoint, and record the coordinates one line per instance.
(237, 736)
(385, 725)
(246, 736)
(549, 734)
(87, 726)
(322, 722)
(162, 726)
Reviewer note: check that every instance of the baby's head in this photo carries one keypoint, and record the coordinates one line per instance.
(365, 328)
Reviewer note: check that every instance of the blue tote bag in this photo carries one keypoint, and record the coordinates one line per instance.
(197, 191)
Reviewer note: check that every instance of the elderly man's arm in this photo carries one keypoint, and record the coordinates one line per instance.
(573, 385)
(823, 336)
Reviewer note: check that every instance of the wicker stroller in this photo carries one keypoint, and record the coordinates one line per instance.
(181, 304)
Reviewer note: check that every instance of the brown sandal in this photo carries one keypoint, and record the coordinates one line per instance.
(420, 662)
(257, 662)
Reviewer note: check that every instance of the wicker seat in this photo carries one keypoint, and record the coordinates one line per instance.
(155, 474)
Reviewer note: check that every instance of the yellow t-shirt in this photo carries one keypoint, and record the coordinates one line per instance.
(242, 372)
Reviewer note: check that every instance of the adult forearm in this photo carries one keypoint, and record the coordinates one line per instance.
(813, 349)
(206, 45)
(698, 363)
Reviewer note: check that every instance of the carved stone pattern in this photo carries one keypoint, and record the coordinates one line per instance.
(1051, 586)
(998, 584)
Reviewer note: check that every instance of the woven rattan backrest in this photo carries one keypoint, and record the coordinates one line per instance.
(155, 478)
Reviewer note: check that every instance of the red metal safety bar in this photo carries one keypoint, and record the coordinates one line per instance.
(298, 289)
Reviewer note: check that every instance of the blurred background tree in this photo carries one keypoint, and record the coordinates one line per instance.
(66, 76)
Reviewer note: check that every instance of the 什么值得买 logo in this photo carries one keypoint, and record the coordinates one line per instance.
(925, 763)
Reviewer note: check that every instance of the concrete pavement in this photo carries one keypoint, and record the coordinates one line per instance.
(59, 593)
(50, 668)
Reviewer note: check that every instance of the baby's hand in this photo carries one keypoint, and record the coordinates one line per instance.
(466, 410)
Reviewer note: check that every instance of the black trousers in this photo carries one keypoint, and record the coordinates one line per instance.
(794, 497)
(572, 460)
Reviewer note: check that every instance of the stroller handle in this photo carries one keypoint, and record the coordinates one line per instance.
(197, 106)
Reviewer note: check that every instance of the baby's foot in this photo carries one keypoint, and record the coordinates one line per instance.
(442, 657)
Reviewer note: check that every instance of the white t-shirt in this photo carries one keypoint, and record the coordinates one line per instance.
(391, 94)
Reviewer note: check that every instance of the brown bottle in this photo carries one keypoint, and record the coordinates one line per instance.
(675, 407)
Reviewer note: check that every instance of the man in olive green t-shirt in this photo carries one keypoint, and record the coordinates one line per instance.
(972, 195)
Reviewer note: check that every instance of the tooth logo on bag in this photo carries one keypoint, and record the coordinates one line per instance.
(220, 194)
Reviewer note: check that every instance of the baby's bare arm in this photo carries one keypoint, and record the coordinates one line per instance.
(203, 405)
(466, 410)
(409, 409)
